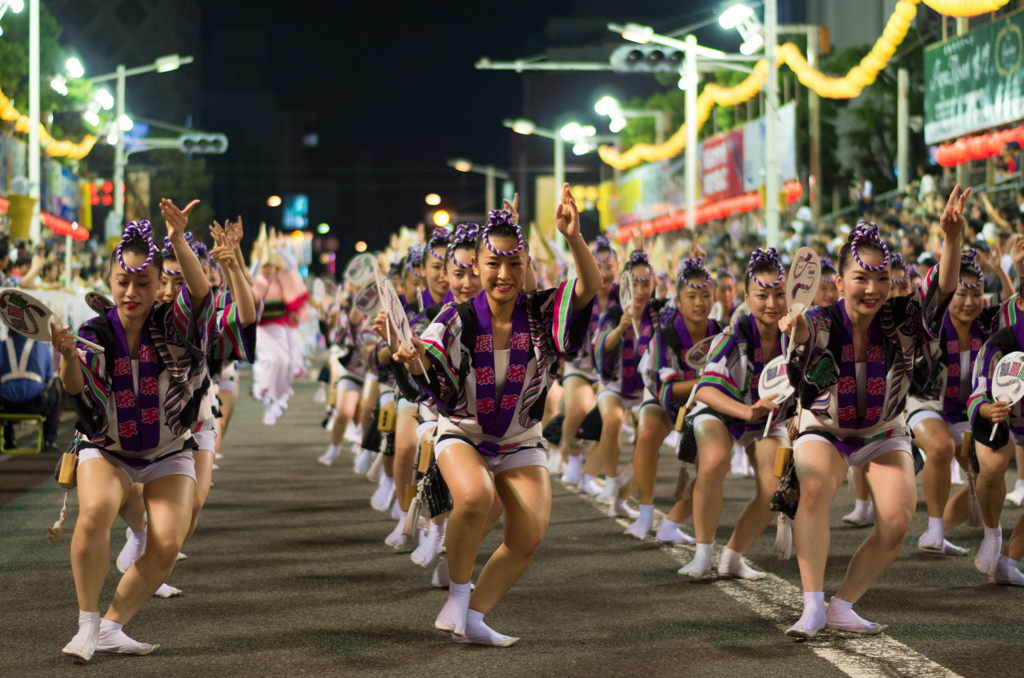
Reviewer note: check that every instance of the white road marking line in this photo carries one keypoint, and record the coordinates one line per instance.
(781, 603)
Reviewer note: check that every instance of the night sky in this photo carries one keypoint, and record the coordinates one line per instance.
(395, 92)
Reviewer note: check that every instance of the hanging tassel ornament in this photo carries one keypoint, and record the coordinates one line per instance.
(56, 533)
(973, 507)
(783, 538)
(412, 519)
(373, 475)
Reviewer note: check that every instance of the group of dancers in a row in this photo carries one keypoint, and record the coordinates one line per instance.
(885, 369)
(153, 404)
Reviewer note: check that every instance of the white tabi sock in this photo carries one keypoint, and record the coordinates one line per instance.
(813, 618)
(700, 566)
(453, 615)
(840, 616)
(114, 639)
(731, 565)
(479, 633)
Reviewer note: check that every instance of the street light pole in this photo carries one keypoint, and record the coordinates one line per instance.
(559, 167)
(34, 169)
(771, 139)
(164, 64)
(691, 132)
(489, 191)
(119, 158)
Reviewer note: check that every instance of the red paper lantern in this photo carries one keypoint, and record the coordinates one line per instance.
(960, 152)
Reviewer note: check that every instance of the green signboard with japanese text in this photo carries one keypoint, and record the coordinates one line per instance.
(975, 81)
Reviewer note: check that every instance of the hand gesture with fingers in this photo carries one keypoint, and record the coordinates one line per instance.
(567, 214)
(952, 220)
(177, 220)
(695, 249)
(512, 207)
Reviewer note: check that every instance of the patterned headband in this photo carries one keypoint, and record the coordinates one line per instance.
(868, 231)
(769, 256)
(827, 265)
(697, 266)
(137, 229)
(439, 238)
(639, 258)
(896, 261)
(502, 218)
(603, 242)
(970, 257)
(415, 258)
(464, 234)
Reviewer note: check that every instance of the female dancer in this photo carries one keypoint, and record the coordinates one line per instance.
(667, 375)
(490, 364)
(463, 286)
(826, 295)
(142, 434)
(734, 414)
(994, 453)
(580, 373)
(938, 405)
(853, 366)
(725, 296)
(618, 351)
(284, 296)
(236, 340)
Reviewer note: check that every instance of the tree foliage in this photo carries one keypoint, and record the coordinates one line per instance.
(14, 67)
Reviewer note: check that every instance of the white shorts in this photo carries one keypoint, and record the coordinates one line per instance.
(956, 431)
(778, 430)
(348, 382)
(207, 440)
(405, 404)
(424, 427)
(179, 464)
(627, 402)
(572, 370)
(866, 454)
(535, 456)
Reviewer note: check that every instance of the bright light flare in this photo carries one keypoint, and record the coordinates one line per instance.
(433, 199)
(734, 16)
(75, 68)
(571, 131)
(606, 106)
(463, 165)
(523, 127)
(105, 99)
(360, 246)
(60, 84)
(442, 218)
(125, 123)
(274, 201)
(637, 33)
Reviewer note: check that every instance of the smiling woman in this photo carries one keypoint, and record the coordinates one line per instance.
(853, 368)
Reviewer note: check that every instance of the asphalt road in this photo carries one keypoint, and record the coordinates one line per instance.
(288, 575)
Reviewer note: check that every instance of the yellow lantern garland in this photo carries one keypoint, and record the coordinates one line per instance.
(963, 8)
(848, 87)
(54, 148)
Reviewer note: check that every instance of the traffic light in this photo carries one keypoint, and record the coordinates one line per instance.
(647, 59)
(203, 143)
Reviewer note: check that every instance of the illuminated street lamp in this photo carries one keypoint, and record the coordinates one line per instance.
(489, 171)
(274, 201)
(610, 107)
(433, 199)
(527, 127)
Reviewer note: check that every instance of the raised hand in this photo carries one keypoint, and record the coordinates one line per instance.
(225, 257)
(177, 220)
(567, 214)
(952, 220)
(512, 207)
(1018, 254)
(695, 249)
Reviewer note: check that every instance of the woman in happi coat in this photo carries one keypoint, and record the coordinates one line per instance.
(489, 365)
(853, 365)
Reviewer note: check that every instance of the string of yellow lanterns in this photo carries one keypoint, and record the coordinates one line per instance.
(847, 87)
(54, 148)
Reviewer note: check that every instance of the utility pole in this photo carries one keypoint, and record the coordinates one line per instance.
(814, 112)
(903, 129)
(119, 159)
(961, 169)
(34, 170)
(691, 132)
(771, 212)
